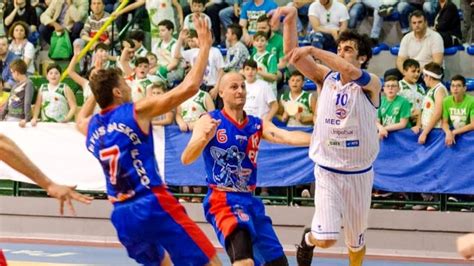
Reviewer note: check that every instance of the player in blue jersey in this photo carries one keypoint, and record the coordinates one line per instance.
(150, 222)
(229, 141)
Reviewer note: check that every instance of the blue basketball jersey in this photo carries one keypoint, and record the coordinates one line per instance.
(231, 156)
(126, 153)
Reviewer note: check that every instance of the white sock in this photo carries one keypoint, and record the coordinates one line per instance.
(307, 239)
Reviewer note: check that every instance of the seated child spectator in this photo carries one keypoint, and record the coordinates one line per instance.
(303, 102)
(55, 101)
(197, 9)
(394, 112)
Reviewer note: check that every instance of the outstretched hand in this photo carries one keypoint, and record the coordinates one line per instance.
(65, 194)
(203, 32)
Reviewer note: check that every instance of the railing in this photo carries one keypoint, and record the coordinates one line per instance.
(19, 189)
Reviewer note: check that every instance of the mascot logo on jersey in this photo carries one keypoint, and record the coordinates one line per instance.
(227, 169)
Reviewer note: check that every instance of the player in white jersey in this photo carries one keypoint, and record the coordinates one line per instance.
(344, 143)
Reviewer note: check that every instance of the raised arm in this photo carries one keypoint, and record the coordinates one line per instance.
(274, 134)
(204, 131)
(304, 62)
(148, 108)
(71, 68)
(84, 116)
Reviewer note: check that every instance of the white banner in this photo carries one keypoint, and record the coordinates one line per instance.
(59, 150)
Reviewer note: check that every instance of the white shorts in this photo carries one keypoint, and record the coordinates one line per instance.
(342, 199)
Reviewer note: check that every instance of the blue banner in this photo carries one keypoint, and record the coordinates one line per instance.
(402, 165)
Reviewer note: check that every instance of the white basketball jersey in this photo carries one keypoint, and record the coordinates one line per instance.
(345, 134)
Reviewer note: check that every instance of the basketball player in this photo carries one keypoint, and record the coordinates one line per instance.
(150, 222)
(344, 142)
(14, 157)
(229, 141)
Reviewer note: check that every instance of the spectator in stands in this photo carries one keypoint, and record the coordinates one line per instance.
(249, 15)
(448, 24)
(215, 62)
(260, 101)
(274, 42)
(422, 44)
(432, 106)
(458, 111)
(328, 19)
(19, 103)
(81, 81)
(165, 47)
(303, 7)
(158, 11)
(411, 90)
(358, 9)
(394, 111)
(20, 45)
(128, 50)
(157, 89)
(138, 37)
(237, 53)
(3, 97)
(21, 10)
(431, 114)
(137, 79)
(467, 6)
(95, 21)
(197, 9)
(407, 7)
(55, 101)
(189, 111)
(213, 7)
(296, 99)
(6, 57)
(63, 15)
(231, 14)
(267, 63)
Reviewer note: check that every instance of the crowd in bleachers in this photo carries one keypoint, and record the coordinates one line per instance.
(154, 44)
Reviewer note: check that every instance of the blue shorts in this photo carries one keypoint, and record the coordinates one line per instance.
(149, 225)
(226, 211)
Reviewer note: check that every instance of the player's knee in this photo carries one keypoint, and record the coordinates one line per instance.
(325, 243)
(281, 261)
(239, 246)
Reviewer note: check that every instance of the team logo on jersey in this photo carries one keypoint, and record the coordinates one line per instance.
(228, 170)
(241, 214)
(341, 113)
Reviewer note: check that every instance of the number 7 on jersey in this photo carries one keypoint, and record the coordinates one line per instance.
(112, 155)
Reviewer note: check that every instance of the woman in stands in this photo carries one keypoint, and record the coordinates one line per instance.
(20, 45)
